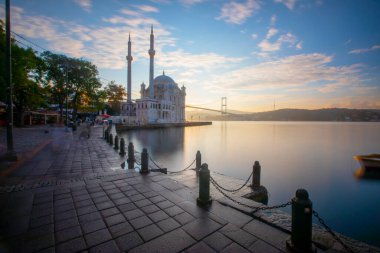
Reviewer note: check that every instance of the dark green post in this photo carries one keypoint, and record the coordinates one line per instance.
(144, 162)
(106, 135)
(111, 140)
(131, 156)
(122, 146)
(198, 162)
(116, 142)
(204, 198)
(302, 210)
(256, 175)
(104, 132)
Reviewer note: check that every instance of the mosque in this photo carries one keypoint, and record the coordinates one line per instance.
(162, 102)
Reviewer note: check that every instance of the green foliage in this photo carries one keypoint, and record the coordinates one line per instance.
(115, 95)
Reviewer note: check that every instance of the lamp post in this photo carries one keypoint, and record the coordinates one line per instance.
(67, 112)
(11, 154)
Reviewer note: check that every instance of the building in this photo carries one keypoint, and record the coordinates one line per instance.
(161, 102)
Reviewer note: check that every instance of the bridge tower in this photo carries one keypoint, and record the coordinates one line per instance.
(224, 106)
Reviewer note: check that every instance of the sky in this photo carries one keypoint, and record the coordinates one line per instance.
(258, 53)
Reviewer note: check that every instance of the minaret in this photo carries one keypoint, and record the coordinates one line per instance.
(151, 65)
(129, 80)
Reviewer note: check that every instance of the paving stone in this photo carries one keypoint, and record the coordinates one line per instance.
(62, 224)
(140, 222)
(200, 247)
(121, 201)
(92, 226)
(63, 208)
(130, 215)
(261, 246)
(127, 207)
(98, 237)
(267, 233)
(164, 204)
(107, 247)
(74, 245)
(65, 215)
(67, 234)
(143, 202)
(60, 202)
(158, 216)
(40, 231)
(62, 196)
(174, 241)
(39, 243)
(98, 194)
(105, 205)
(157, 199)
(83, 203)
(234, 248)
(238, 235)
(82, 197)
(137, 197)
(201, 227)
(130, 193)
(150, 232)
(89, 217)
(168, 225)
(150, 209)
(86, 210)
(117, 195)
(129, 241)
(41, 221)
(217, 241)
(231, 215)
(39, 212)
(115, 219)
(172, 211)
(110, 212)
(184, 218)
(101, 199)
(120, 229)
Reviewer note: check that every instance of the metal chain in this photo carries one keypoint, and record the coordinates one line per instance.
(255, 208)
(331, 232)
(173, 172)
(234, 190)
(151, 159)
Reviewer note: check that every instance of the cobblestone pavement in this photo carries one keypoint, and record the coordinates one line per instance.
(72, 196)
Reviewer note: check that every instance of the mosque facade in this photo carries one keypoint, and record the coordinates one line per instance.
(163, 101)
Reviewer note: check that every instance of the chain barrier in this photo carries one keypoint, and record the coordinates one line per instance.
(234, 190)
(173, 172)
(331, 232)
(151, 159)
(255, 208)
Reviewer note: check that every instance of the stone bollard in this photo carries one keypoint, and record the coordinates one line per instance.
(144, 162)
(256, 175)
(302, 211)
(198, 162)
(131, 156)
(106, 135)
(204, 198)
(103, 132)
(116, 142)
(111, 140)
(122, 146)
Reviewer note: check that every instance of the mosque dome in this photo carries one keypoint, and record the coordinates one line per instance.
(163, 79)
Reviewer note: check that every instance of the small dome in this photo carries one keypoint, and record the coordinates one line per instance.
(163, 79)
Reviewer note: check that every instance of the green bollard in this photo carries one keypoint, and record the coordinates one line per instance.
(131, 156)
(122, 146)
(302, 211)
(198, 162)
(144, 162)
(106, 135)
(111, 139)
(204, 198)
(116, 142)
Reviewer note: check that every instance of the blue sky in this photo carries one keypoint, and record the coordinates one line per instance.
(299, 53)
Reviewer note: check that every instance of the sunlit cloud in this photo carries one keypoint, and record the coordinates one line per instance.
(190, 2)
(254, 36)
(364, 50)
(85, 4)
(299, 45)
(147, 8)
(290, 4)
(237, 13)
(273, 20)
(268, 46)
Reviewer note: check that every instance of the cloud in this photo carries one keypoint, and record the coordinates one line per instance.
(290, 4)
(237, 13)
(85, 4)
(254, 36)
(147, 8)
(299, 45)
(364, 50)
(190, 2)
(267, 46)
(273, 20)
(312, 71)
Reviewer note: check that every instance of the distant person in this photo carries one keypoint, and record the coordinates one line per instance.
(88, 126)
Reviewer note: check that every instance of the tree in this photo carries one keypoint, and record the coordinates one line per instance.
(27, 70)
(115, 95)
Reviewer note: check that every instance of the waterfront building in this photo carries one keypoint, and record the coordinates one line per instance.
(163, 101)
